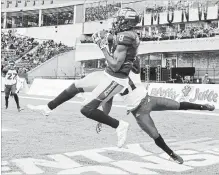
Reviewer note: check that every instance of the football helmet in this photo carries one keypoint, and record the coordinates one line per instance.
(11, 64)
(125, 19)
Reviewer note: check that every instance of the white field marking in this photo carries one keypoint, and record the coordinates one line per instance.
(13, 173)
(9, 130)
(122, 106)
(198, 113)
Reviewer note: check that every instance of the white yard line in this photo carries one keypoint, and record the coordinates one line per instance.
(198, 113)
(9, 130)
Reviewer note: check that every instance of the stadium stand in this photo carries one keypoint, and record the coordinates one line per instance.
(27, 52)
(171, 33)
(44, 52)
(101, 12)
(14, 47)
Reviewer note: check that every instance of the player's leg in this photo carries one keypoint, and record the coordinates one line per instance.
(101, 94)
(7, 93)
(194, 106)
(64, 96)
(107, 106)
(16, 98)
(161, 104)
(106, 109)
(146, 123)
(86, 84)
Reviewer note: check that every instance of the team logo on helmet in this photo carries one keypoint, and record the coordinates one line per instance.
(125, 19)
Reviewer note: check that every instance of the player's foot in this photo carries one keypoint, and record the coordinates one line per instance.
(20, 109)
(176, 158)
(6, 107)
(42, 109)
(209, 107)
(122, 131)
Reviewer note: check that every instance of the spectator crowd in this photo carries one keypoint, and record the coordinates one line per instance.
(42, 53)
(170, 33)
(27, 52)
(101, 12)
(15, 46)
(58, 18)
(173, 34)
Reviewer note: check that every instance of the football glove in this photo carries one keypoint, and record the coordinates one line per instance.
(100, 40)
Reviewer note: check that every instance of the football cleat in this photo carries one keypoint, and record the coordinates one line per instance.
(20, 109)
(42, 109)
(98, 127)
(176, 158)
(122, 132)
(209, 107)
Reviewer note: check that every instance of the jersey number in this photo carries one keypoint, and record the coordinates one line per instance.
(121, 37)
(11, 76)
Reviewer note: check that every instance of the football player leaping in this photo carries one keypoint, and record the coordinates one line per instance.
(11, 80)
(120, 60)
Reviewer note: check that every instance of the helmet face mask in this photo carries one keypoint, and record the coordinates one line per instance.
(125, 19)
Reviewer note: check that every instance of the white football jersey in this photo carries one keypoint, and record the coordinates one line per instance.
(11, 77)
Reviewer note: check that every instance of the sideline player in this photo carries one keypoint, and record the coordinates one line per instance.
(11, 80)
(120, 60)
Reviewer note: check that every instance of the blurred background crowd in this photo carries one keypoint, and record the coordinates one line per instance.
(28, 52)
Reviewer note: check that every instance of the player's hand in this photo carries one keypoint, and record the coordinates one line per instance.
(100, 39)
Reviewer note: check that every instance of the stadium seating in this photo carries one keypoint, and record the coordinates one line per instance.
(27, 52)
(44, 52)
(101, 12)
(171, 34)
(14, 46)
